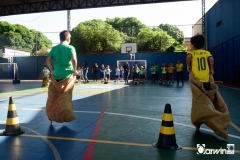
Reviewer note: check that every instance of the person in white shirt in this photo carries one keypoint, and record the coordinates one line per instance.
(79, 74)
(108, 71)
(45, 76)
(117, 74)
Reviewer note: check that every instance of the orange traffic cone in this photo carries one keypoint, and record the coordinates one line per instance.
(12, 123)
(167, 139)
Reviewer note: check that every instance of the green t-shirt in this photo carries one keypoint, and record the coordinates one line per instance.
(156, 67)
(142, 72)
(135, 70)
(164, 70)
(62, 56)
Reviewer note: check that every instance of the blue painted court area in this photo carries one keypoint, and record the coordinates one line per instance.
(114, 121)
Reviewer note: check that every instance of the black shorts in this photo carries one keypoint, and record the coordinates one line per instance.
(121, 76)
(116, 76)
(78, 77)
(107, 75)
(170, 74)
(142, 76)
(102, 75)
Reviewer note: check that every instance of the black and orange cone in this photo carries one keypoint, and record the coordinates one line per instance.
(167, 139)
(12, 123)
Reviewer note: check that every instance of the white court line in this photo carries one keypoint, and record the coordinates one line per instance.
(88, 112)
(54, 149)
(154, 119)
(181, 124)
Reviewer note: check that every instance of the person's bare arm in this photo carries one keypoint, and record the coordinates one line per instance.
(74, 63)
(49, 63)
(188, 60)
(211, 61)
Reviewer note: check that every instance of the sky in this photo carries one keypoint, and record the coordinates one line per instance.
(182, 14)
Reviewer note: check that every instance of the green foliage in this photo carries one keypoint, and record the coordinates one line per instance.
(173, 31)
(96, 35)
(42, 52)
(19, 37)
(154, 39)
(130, 26)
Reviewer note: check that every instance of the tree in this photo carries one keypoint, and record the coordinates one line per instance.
(19, 37)
(154, 39)
(96, 35)
(42, 52)
(131, 26)
(175, 32)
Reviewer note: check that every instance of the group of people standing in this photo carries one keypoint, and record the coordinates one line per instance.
(167, 72)
(104, 71)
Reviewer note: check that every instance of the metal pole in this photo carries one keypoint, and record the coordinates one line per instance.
(69, 20)
(203, 21)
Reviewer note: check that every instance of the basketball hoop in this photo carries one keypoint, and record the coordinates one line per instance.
(10, 60)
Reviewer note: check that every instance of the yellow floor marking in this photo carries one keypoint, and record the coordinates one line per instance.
(104, 141)
(235, 126)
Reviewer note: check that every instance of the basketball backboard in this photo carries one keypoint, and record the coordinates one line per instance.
(129, 48)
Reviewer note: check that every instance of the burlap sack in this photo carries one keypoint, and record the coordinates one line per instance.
(45, 82)
(59, 105)
(208, 107)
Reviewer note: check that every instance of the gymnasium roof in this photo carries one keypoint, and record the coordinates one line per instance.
(13, 7)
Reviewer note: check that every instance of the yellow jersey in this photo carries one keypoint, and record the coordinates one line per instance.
(179, 67)
(200, 66)
(170, 69)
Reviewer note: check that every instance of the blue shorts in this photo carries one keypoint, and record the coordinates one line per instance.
(121, 76)
(116, 76)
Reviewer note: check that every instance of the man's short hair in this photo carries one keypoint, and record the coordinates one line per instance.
(198, 41)
(64, 35)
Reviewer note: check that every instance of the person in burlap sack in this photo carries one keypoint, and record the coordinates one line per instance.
(59, 106)
(45, 76)
(208, 107)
